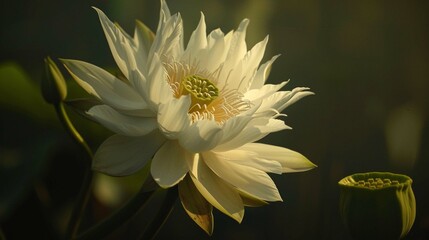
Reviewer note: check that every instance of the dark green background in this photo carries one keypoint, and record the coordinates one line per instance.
(367, 62)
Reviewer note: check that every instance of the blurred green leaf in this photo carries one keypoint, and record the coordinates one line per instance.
(19, 94)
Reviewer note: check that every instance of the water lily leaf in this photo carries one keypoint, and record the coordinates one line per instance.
(195, 205)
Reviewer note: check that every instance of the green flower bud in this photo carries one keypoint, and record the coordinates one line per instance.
(54, 88)
(377, 205)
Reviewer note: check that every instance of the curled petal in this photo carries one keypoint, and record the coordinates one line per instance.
(281, 100)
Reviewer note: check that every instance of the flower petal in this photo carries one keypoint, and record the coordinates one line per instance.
(238, 46)
(263, 92)
(169, 165)
(173, 116)
(237, 50)
(122, 124)
(121, 45)
(216, 191)
(253, 160)
(169, 35)
(159, 89)
(233, 126)
(280, 100)
(121, 155)
(250, 201)
(105, 86)
(250, 180)
(250, 64)
(198, 40)
(256, 129)
(262, 74)
(129, 53)
(143, 39)
(291, 161)
(195, 205)
(200, 136)
(214, 55)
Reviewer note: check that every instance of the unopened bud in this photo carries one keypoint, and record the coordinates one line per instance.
(54, 88)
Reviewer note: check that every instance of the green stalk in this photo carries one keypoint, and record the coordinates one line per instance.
(162, 216)
(85, 190)
(119, 217)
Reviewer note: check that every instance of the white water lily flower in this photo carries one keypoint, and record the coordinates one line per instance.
(196, 111)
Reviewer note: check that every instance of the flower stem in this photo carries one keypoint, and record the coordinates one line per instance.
(162, 216)
(119, 217)
(85, 190)
(65, 120)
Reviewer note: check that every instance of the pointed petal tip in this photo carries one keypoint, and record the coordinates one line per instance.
(243, 24)
(202, 18)
(238, 217)
(99, 12)
(310, 165)
(64, 59)
(245, 21)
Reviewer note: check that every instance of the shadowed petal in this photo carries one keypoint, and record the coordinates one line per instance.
(195, 205)
(105, 86)
(121, 155)
(122, 124)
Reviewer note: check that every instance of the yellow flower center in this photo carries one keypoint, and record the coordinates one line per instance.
(207, 100)
(202, 91)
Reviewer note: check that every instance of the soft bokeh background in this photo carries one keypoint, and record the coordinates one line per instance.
(367, 61)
